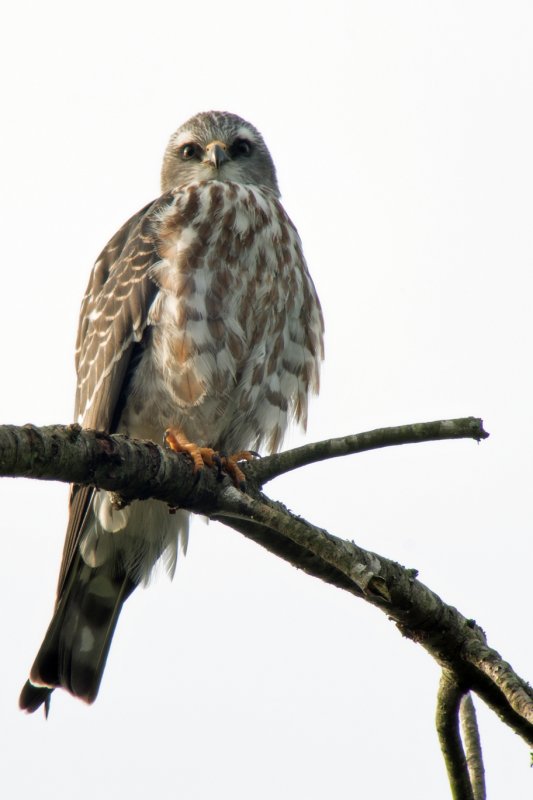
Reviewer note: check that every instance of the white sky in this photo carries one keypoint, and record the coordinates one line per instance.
(402, 134)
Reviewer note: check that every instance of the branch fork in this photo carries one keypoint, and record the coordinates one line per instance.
(132, 469)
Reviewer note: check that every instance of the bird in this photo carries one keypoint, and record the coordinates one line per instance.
(200, 327)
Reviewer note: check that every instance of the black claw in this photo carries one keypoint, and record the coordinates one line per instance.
(255, 453)
(219, 465)
(242, 486)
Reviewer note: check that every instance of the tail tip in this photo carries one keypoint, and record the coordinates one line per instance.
(33, 697)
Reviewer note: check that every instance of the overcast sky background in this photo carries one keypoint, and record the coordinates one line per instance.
(402, 134)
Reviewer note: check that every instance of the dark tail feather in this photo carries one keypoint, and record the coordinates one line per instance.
(74, 651)
(32, 697)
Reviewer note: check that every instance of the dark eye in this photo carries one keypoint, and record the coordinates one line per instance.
(189, 151)
(240, 147)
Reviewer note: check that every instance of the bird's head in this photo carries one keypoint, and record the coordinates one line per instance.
(215, 145)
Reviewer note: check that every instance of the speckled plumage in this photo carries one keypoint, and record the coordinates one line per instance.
(200, 314)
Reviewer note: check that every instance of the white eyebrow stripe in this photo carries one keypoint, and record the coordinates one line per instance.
(184, 138)
(245, 133)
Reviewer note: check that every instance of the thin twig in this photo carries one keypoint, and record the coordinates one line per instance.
(264, 470)
(474, 755)
(447, 722)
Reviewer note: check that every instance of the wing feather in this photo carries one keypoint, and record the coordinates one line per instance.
(113, 318)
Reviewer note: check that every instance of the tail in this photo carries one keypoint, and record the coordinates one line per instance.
(74, 651)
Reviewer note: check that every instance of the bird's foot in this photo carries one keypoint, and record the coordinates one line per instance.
(230, 465)
(207, 457)
(201, 456)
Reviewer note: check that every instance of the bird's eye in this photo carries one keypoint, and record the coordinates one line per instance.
(240, 147)
(188, 151)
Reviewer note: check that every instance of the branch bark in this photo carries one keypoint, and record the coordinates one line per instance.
(449, 699)
(133, 469)
(462, 428)
(457, 723)
(474, 757)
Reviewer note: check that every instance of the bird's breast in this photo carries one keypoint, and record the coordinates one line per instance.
(226, 330)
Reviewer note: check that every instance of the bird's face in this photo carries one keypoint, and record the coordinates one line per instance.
(217, 146)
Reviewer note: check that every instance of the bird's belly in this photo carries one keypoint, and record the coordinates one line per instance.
(159, 398)
(149, 414)
(195, 377)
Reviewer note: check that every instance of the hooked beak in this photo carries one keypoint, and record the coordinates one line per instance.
(216, 154)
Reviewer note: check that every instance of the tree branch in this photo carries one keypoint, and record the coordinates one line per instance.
(68, 453)
(465, 772)
(265, 469)
(133, 469)
(455, 642)
(474, 756)
(447, 722)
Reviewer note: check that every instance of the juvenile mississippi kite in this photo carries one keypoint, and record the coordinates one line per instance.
(200, 319)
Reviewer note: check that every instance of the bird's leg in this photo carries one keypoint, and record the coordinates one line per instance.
(207, 457)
